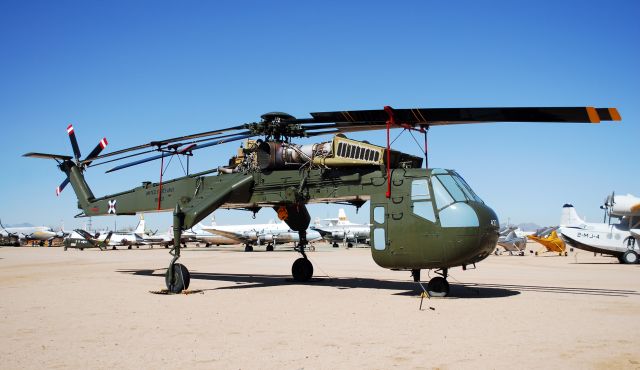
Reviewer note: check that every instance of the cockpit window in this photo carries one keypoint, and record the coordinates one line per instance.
(467, 189)
(420, 189)
(453, 188)
(441, 195)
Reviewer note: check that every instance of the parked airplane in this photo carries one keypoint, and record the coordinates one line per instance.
(81, 239)
(126, 238)
(260, 234)
(41, 234)
(342, 230)
(618, 238)
(511, 241)
(550, 240)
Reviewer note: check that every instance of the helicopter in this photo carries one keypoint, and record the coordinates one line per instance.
(421, 218)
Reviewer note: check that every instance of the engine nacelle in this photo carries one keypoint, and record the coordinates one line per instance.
(265, 238)
(337, 234)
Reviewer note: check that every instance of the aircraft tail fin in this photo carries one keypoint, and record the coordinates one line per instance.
(106, 240)
(570, 217)
(141, 225)
(342, 216)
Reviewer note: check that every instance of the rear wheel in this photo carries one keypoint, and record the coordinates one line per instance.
(180, 279)
(269, 247)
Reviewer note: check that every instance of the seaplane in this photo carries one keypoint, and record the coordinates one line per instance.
(618, 235)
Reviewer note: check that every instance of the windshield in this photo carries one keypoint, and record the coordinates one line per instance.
(456, 189)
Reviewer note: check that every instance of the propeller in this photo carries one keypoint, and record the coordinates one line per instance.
(81, 163)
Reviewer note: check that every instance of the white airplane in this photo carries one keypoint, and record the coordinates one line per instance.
(620, 237)
(28, 233)
(260, 234)
(342, 230)
(512, 240)
(124, 238)
(196, 233)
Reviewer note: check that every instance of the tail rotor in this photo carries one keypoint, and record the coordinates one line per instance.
(65, 161)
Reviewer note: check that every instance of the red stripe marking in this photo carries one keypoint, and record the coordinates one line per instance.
(104, 142)
(70, 129)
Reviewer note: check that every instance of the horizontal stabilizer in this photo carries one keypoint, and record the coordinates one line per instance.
(47, 156)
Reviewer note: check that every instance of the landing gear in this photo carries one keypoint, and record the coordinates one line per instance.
(177, 277)
(630, 257)
(416, 275)
(335, 245)
(349, 245)
(302, 269)
(438, 286)
(248, 248)
(269, 247)
(207, 245)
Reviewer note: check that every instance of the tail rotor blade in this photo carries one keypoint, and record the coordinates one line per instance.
(96, 151)
(74, 141)
(62, 186)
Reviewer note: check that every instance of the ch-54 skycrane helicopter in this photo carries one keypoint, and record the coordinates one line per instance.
(421, 218)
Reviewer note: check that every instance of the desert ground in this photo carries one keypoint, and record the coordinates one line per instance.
(96, 309)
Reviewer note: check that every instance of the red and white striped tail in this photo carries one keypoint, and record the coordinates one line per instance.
(70, 129)
(104, 143)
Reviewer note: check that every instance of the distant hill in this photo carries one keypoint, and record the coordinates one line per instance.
(24, 224)
(528, 226)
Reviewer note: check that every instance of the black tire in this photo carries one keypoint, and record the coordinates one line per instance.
(207, 245)
(248, 248)
(269, 247)
(438, 287)
(302, 270)
(180, 281)
(349, 245)
(335, 245)
(630, 257)
(65, 248)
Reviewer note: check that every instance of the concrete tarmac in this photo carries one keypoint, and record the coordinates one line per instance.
(92, 309)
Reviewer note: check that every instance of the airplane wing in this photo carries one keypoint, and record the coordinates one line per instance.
(239, 237)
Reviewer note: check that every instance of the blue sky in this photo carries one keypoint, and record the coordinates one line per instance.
(136, 71)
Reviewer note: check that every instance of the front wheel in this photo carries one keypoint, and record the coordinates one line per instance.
(180, 279)
(630, 257)
(438, 287)
(302, 270)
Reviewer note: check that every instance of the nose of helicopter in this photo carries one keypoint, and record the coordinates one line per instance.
(488, 232)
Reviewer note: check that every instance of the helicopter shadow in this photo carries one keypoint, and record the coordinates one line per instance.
(403, 288)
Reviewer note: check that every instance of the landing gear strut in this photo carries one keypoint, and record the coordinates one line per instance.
(248, 248)
(302, 268)
(177, 277)
(438, 286)
(269, 247)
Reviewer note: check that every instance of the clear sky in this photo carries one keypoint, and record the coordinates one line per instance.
(136, 71)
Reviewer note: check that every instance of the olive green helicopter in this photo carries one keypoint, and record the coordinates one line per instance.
(421, 218)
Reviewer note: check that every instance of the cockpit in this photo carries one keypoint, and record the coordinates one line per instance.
(447, 195)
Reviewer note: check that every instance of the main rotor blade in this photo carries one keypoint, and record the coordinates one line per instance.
(47, 156)
(161, 143)
(94, 153)
(168, 148)
(61, 187)
(447, 116)
(178, 150)
(74, 142)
